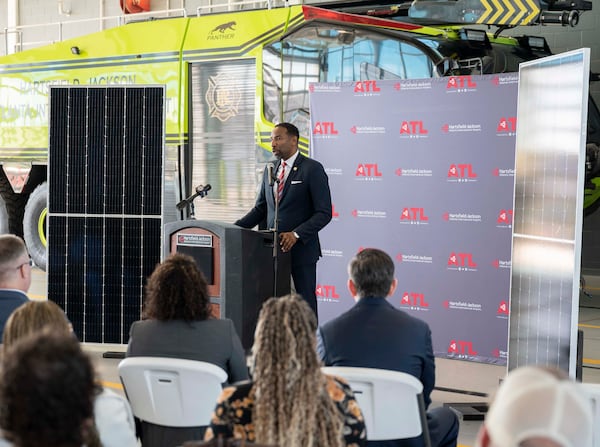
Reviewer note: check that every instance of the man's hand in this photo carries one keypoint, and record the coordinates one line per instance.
(287, 240)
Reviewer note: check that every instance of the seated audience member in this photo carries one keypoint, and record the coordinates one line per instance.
(15, 275)
(178, 323)
(538, 407)
(290, 402)
(375, 334)
(47, 390)
(112, 413)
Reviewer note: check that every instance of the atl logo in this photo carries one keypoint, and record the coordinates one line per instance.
(461, 260)
(368, 170)
(413, 128)
(414, 299)
(502, 308)
(366, 87)
(326, 291)
(461, 347)
(463, 170)
(505, 217)
(414, 214)
(507, 124)
(324, 128)
(461, 82)
(334, 213)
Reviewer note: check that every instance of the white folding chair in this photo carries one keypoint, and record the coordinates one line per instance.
(391, 402)
(171, 392)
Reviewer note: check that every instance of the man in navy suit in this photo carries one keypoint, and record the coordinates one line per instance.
(15, 276)
(302, 189)
(374, 334)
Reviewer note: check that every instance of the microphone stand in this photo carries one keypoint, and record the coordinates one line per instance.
(189, 202)
(275, 230)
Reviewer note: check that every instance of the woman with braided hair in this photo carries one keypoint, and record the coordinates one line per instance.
(290, 402)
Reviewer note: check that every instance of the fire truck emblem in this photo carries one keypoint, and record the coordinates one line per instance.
(222, 97)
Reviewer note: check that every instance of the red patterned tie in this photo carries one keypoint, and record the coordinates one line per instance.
(281, 180)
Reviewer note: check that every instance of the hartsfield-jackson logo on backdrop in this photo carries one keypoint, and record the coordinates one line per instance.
(362, 130)
(461, 262)
(332, 253)
(413, 129)
(368, 171)
(501, 264)
(502, 310)
(367, 88)
(328, 87)
(459, 304)
(504, 219)
(461, 348)
(413, 216)
(461, 217)
(461, 172)
(334, 171)
(507, 126)
(409, 257)
(327, 292)
(505, 79)
(471, 127)
(414, 301)
(499, 353)
(460, 84)
(502, 172)
(414, 172)
(412, 85)
(369, 214)
(325, 130)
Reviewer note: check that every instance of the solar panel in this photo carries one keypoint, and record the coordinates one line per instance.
(105, 198)
(548, 210)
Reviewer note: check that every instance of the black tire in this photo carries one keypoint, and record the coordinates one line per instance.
(14, 204)
(3, 217)
(34, 225)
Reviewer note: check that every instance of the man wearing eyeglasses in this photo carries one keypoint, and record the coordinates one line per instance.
(15, 276)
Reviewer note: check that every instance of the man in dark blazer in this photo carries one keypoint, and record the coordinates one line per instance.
(302, 189)
(15, 276)
(374, 334)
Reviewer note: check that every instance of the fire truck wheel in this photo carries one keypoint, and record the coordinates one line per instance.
(34, 225)
(3, 217)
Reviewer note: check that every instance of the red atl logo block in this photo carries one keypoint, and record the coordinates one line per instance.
(368, 170)
(413, 214)
(461, 82)
(413, 128)
(505, 216)
(334, 213)
(461, 170)
(461, 347)
(324, 128)
(414, 299)
(507, 124)
(366, 87)
(502, 308)
(461, 260)
(326, 291)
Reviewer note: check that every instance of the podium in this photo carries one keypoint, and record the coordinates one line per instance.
(238, 264)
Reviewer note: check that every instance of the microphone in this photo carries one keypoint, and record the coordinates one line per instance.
(202, 190)
(270, 173)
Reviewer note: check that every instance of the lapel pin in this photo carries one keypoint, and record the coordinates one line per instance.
(295, 168)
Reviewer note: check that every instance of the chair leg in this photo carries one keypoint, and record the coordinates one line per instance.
(423, 417)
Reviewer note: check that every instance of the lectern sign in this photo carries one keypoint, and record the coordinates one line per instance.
(195, 240)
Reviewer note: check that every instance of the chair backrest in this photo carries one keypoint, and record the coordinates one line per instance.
(171, 392)
(391, 402)
(592, 390)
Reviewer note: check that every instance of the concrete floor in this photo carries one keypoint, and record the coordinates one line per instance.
(470, 383)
